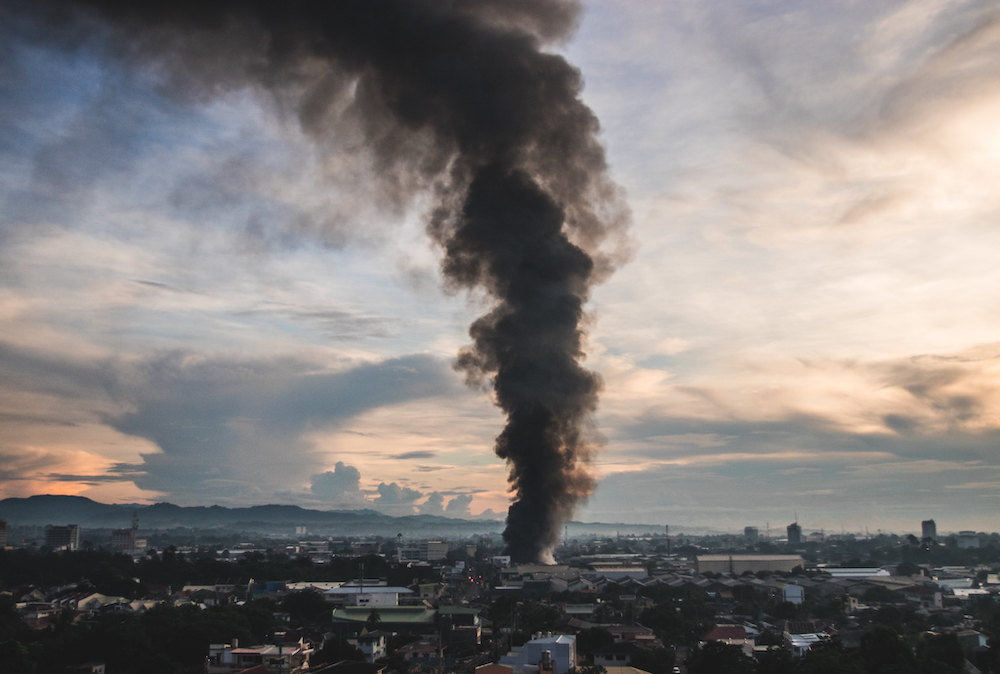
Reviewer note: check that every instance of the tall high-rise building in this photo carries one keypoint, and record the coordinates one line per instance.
(751, 534)
(928, 529)
(794, 533)
(3, 534)
(63, 538)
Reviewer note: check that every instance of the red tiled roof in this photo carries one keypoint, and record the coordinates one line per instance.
(722, 632)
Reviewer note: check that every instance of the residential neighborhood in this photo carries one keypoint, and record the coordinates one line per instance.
(661, 603)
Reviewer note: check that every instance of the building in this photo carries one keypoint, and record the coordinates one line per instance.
(816, 537)
(126, 540)
(752, 535)
(799, 644)
(967, 539)
(794, 532)
(373, 644)
(738, 564)
(414, 619)
(283, 657)
(928, 530)
(792, 593)
(365, 595)
(618, 571)
(731, 635)
(856, 571)
(63, 538)
(3, 534)
(555, 654)
(424, 551)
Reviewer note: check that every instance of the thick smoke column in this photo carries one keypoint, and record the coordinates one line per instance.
(452, 97)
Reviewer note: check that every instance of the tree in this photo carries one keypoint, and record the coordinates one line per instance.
(536, 617)
(592, 639)
(716, 657)
(775, 661)
(885, 652)
(335, 650)
(785, 610)
(830, 657)
(940, 654)
(306, 607)
(15, 658)
(654, 660)
(373, 621)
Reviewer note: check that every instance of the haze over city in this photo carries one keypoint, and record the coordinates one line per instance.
(200, 303)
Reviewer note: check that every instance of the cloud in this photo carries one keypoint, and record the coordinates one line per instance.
(414, 455)
(393, 494)
(434, 505)
(394, 499)
(339, 488)
(458, 506)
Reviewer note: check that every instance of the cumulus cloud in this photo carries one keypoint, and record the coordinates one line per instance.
(458, 506)
(394, 499)
(340, 487)
(434, 505)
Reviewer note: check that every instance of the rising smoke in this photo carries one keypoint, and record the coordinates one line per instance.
(455, 98)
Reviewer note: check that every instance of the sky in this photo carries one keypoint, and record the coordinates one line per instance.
(200, 304)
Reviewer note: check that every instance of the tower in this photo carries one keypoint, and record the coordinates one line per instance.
(794, 533)
(928, 529)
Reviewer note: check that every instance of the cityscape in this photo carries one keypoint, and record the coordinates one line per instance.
(222, 601)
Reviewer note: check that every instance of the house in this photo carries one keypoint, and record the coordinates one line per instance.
(799, 644)
(284, 657)
(615, 655)
(460, 626)
(733, 635)
(494, 668)
(420, 652)
(96, 601)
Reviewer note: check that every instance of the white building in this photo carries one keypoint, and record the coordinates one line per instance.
(281, 658)
(373, 644)
(424, 551)
(366, 595)
(856, 571)
(795, 594)
(799, 644)
(738, 564)
(560, 647)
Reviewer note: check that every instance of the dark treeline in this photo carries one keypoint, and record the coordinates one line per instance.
(882, 651)
(165, 639)
(156, 573)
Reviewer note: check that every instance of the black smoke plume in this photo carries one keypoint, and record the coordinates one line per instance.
(455, 98)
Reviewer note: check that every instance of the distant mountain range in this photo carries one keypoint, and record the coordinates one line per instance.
(267, 519)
